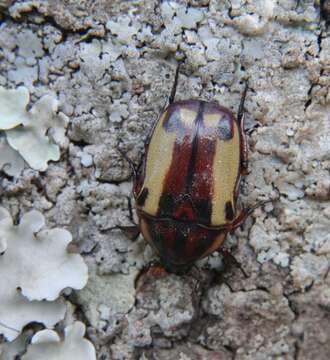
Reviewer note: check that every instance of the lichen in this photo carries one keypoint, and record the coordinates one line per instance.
(47, 344)
(111, 65)
(10, 160)
(35, 268)
(30, 139)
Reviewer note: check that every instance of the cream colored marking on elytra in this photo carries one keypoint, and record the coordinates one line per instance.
(187, 117)
(159, 159)
(225, 171)
(211, 119)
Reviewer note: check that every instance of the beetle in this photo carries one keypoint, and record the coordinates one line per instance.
(187, 183)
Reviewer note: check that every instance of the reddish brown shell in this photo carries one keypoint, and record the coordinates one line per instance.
(186, 189)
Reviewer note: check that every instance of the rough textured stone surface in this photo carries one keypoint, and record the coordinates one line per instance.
(111, 65)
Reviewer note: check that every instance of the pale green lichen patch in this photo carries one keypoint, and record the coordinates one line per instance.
(35, 267)
(31, 139)
(46, 344)
(13, 103)
(11, 161)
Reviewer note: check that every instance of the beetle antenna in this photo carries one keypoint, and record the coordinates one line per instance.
(240, 113)
(172, 96)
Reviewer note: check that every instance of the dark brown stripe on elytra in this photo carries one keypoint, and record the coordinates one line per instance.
(202, 155)
(180, 240)
(140, 201)
(203, 244)
(166, 203)
(193, 155)
(229, 211)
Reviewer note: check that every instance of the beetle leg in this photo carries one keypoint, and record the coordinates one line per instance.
(246, 213)
(130, 209)
(153, 270)
(132, 232)
(240, 120)
(229, 260)
(175, 84)
(126, 158)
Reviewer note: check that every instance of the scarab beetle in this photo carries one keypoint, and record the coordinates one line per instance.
(187, 183)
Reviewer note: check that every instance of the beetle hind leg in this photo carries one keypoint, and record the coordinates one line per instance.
(229, 260)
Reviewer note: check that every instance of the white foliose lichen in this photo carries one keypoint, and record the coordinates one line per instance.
(12, 107)
(308, 269)
(11, 161)
(177, 17)
(255, 20)
(123, 29)
(28, 131)
(35, 267)
(47, 344)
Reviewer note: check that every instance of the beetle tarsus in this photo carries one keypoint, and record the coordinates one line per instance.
(230, 259)
(175, 84)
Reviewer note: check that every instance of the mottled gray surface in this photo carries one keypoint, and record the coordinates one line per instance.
(111, 64)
